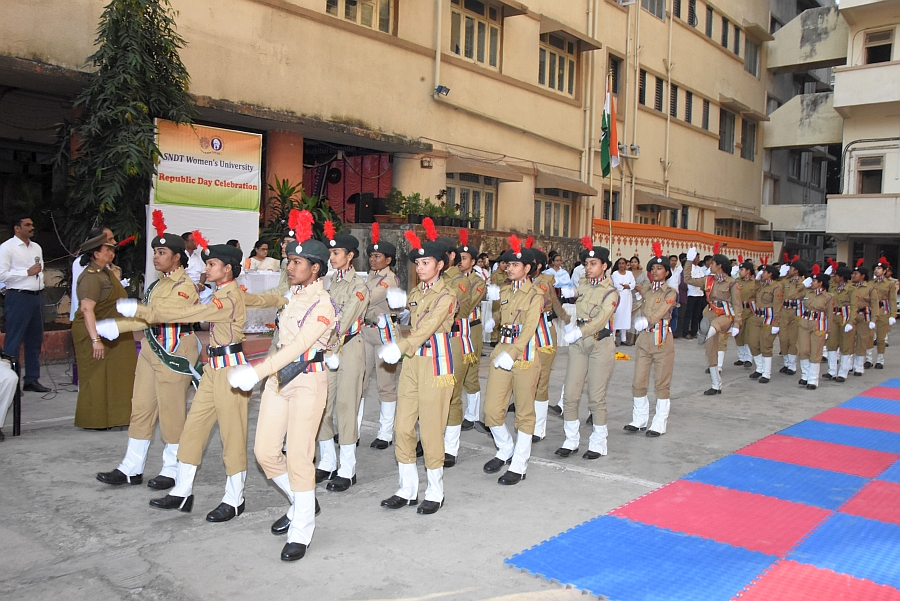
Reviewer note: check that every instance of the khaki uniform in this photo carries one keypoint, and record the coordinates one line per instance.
(378, 283)
(883, 310)
(458, 284)
(655, 345)
(793, 292)
(748, 287)
(767, 314)
(305, 326)
(818, 310)
(426, 378)
(547, 352)
(844, 313)
(723, 310)
(866, 300)
(478, 286)
(498, 278)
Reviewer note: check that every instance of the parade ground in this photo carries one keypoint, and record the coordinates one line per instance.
(67, 536)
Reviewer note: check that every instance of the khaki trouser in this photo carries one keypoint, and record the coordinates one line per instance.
(714, 344)
(296, 411)
(344, 392)
(863, 337)
(385, 373)
(472, 383)
(882, 327)
(661, 357)
(545, 358)
(495, 333)
(522, 384)
(418, 399)
(455, 415)
(216, 401)
(160, 393)
(593, 361)
(810, 341)
(838, 339)
(741, 339)
(759, 337)
(787, 335)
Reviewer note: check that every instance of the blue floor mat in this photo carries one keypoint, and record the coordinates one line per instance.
(797, 483)
(891, 474)
(628, 561)
(892, 383)
(864, 438)
(868, 403)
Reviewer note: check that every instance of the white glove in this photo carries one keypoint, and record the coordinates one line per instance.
(487, 324)
(784, 269)
(332, 361)
(640, 324)
(775, 329)
(871, 325)
(807, 283)
(493, 293)
(734, 332)
(243, 377)
(504, 361)
(759, 275)
(567, 292)
(396, 298)
(382, 322)
(390, 353)
(572, 334)
(638, 295)
(892, 321)
(691, 254)
(288, 294)
(126, 282)
(735, 271)
(108, 329)
(830, 270)
(848, 327)
(127, 307)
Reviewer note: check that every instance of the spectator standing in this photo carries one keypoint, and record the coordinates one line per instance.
(196, 267)
(577, 274)
(674, 282)
(695, 301)
(623, 280)
(21, 269)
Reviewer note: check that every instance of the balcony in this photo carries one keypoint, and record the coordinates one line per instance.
(863, 11)
(867, 86)
(870, 214)
(795, 218)
(814, 39)
(804, 121)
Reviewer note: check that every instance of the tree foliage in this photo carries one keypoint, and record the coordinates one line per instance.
(110, 149)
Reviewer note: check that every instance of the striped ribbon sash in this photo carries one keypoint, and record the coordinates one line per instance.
(229, 360)
(661, 332)
(438, 348)
(355, 327)
(169, 334)
(465, 336)
(819, 318)
(476, 313)
(885, 306)
(767, 314)
(867, 313)
(309, 355)
(543, 334)
(528, 354)
(389, 332)
(844, 312)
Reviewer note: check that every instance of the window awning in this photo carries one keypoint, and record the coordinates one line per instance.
(745, 216)
(642, 197)
(546, 179)
(499, 170)
(513, 8)
(752, 115)
(757, 31)
(733, 105)
(549, 25)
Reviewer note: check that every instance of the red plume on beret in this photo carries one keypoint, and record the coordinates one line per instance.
(716, 248)
(860, 261)
(463, 237)
(657, 249)
(301, 223)
(515, 244)
(376, 233)
(329, 229)
(587, 243)
(764, 260)
(529, 242)
(126, 241)
(796, 258)
(159, 224)
(430, 231)
(883, 261)
(740, 258)
(413, 239)
(200, 240)
(786, 259)
(816, 270)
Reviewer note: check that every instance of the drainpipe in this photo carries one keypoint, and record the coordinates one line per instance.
(592, 29)
(437, 46)
(587, 107)
(637, 87)
(669, 65)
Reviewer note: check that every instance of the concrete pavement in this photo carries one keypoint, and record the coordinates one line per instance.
(66, 535)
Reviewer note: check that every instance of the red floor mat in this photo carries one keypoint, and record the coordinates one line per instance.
(883, 392)
(743, 519)
(878, 500)
(822, 455)
(863, 419)
(791, 581)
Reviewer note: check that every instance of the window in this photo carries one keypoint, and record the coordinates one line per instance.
(705, 122)
(611, 208)
(774, 24)
(642, 87)
(552, 211)
(688, 105)
(658, 97)
(673, 218)
(772, 104)
(374, 14)
(878, 46)
(684, 217)
(556, 63)
(709, 21)
(692, 13)
(475, 31)
(725, 32)
(751, 57)
(870, 171)
(815, 174)
(615, 64)
(673, 100)
(748, 139)
(794, 160)
(737, 40)
(475, 195)
(676, 8)
(655, 7)
(726, 131)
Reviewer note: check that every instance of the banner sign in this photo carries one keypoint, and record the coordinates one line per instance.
(209, 167)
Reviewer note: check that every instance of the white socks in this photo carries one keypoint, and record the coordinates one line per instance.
(813, 374)
(386, 421)
(503, 440)
(573, 436)
(522, 453)
(435, 490)
(804, 369)
(184, 480)
(327, 456)
(833, 363)
(540, 418)
(640, 414)
(348, 460)
(170, 461)
(767, 367)
(661, 417)
(135, 457)
(473, 407)
(451, 440)
(359, 415)
(846, 364)
(597, 442)
(716, 378)
(234, 489)
(303, 517)
(284, 483)
(409, 481)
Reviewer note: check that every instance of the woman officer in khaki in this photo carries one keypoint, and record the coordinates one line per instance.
(293, 401)
(818, 310)
(762, 326)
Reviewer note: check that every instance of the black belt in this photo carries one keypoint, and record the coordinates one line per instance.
(863, 311)
(604, 333)
(474, 323)
(221, 351)
(567, 301)
(295, 368)
(34, 292)
(349, 337)
(581, 322)
(812, 313)
(748, 305)
(454, 328)
(374, 324)
(791, 304)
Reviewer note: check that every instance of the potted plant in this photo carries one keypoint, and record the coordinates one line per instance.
(412, 205)
(431, 210)
(474, 220)
(394, 205)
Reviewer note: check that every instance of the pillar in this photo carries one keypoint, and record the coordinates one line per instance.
(284, 159)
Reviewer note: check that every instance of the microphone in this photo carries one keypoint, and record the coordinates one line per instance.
(37, 261)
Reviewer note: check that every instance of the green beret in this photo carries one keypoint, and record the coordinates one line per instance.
(223, 252)
(310, 249)
(345, 241)
(384, 247)
(169, 240)
(436, 250)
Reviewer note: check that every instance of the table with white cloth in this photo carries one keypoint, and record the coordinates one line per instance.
(256, 282)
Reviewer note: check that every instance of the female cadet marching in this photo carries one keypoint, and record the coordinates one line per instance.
(762, 327)
(818, 309)
(655, 347)
(467, 255)
(592, 351)
(841, 337)
(426, 379)
(293, 401)
(747, 285)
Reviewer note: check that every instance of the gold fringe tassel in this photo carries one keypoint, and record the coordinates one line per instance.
(523, 364)
(547, 349)
(471, 359)
(446, 381)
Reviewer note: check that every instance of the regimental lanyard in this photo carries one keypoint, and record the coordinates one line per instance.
(442, 358)
(228, 360)
(465, 336)
(543, 335)
(389, 332)
(660, 332)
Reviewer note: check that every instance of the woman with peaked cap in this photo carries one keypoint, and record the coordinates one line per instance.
(105, 370)
(762, 327)
(818, 310)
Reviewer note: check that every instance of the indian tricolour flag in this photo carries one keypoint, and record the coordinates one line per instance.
(609, 138)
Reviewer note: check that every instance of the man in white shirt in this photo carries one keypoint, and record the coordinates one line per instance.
(577, 274)
(196, 267)
(674, 282)
(21, 269)
(696, 301)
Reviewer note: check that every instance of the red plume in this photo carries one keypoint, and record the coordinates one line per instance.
(126, 241)
(463, 237)
(301, 222)
(294, 220)
(413, 239)
(860, 261)
(376, 233)
(430, 231)
(740, 259)
(883, 260)
(587, 243)
(816, 270)
(515, 244)
(716, 248)
(657, 249)
(159, 224)
(786, 259)
(329, 229)
(200, 240)
(529, 242)
(765, 260)
(796, 258)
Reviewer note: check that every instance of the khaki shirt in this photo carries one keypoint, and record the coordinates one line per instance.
(748, 290)
(478, 288)
(657, 305)
(307, 321)
(174, 292)
(723, 291)
(431, 312)
(544, 282)
(351, 298)
(866, 297)
(595, 305)
(378, 284)
(770, 295)
(792, 292)
(458, 283)
(844, 298)
(94, 284)
(520, 307)
(821, 303)
(885, 301)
